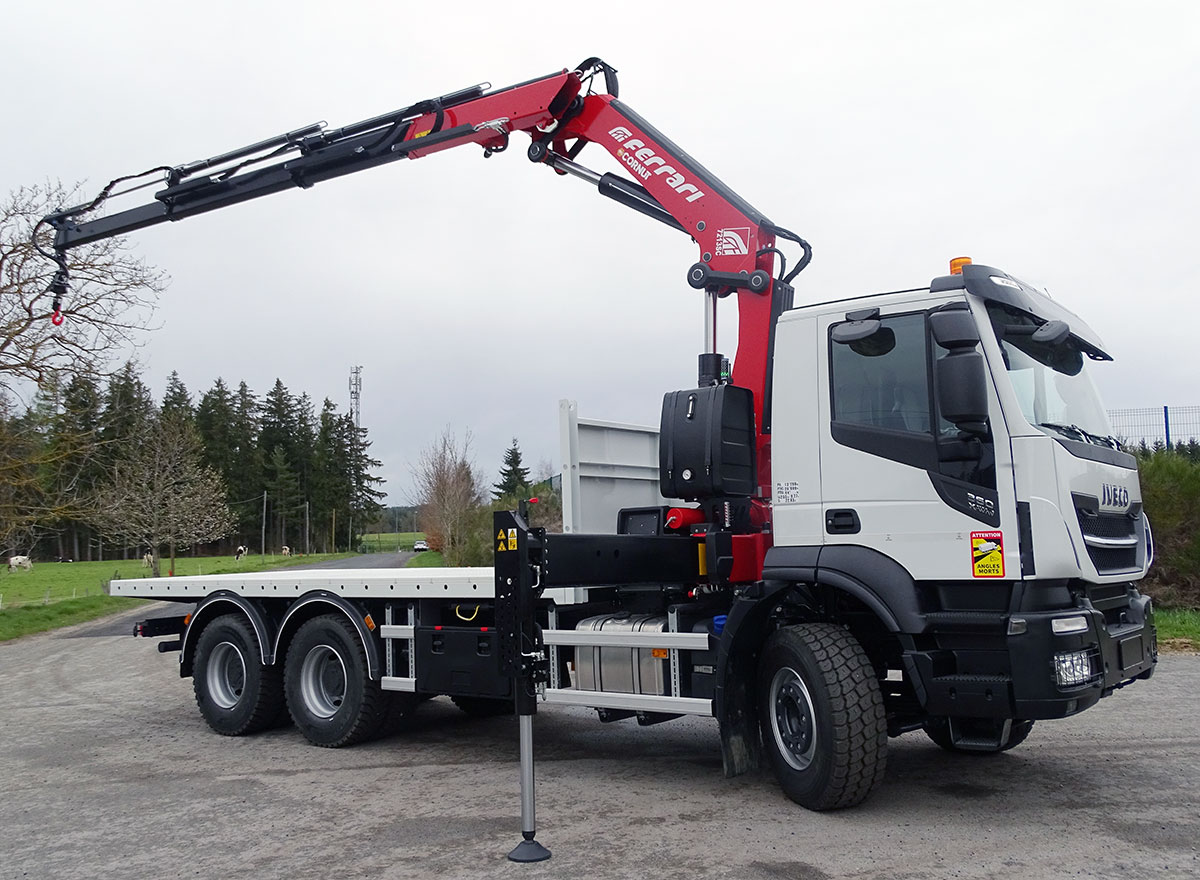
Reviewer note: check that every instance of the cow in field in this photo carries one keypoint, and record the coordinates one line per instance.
(15, 562)
(286, 551)
(240, 552)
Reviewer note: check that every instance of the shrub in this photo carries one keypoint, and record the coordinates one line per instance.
(1171, 494)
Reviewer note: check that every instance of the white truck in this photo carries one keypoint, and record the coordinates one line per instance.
(900, 511)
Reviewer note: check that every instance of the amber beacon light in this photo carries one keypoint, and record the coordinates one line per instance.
(956, 265)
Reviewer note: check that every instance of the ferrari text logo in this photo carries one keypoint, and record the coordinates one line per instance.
(643, 161)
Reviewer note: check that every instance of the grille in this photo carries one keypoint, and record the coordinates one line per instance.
(1112, 540)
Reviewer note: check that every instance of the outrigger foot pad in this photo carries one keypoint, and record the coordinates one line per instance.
(529, 851)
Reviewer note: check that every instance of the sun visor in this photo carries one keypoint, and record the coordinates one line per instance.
(997, 286)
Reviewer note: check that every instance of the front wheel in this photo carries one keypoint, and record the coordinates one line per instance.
(329, 694)
(822, 716)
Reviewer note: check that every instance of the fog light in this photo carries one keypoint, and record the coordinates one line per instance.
(1073, 668)
(1064, 625)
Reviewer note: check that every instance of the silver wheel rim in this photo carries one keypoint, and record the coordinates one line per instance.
(793, 720)
(323, 681)
(226, 675)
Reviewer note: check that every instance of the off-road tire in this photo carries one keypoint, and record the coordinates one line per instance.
(235, 692)
(822, 718)
(329, 695)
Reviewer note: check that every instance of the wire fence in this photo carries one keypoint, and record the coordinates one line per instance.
(1166, 425)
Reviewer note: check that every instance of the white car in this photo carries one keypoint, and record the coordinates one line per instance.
(418, 546)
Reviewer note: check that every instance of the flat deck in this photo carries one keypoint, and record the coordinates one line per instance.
(353, 583)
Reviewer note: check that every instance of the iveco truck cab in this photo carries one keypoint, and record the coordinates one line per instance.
(943, 464)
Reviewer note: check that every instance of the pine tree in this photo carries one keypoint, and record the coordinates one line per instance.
(278, 423)
(177, 403)
(215, 417)
(514, 479)
(283, 491)
(245, 477)
(330, 489)
(128, 406)
(75, 443)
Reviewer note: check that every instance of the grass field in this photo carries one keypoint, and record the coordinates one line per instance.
(55, 581)
(428, 559)
(28, 619)
(390, 542)
(1179, 626)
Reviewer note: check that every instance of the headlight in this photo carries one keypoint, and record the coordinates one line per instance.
(1065, 625)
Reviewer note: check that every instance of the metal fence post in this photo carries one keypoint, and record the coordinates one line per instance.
(1167, 424)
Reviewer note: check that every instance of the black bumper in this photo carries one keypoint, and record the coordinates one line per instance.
(1036, 673)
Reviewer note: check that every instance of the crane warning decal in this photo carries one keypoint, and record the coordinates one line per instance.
(510, 544)
(987, 554)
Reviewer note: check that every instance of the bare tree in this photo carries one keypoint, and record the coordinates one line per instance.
(449, 489)
(160, 494)
(111, 298)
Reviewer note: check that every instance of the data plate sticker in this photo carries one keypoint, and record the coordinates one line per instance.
(787, 492)
(987, 554)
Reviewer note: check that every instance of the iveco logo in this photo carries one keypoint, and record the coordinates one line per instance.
(643, 161)
(1114, 496)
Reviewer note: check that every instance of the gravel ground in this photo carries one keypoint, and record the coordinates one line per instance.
(106, 770)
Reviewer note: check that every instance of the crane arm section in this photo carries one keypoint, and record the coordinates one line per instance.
(736, 242)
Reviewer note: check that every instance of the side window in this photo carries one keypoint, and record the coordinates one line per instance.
(882, 381)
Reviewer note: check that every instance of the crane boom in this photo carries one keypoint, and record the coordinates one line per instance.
(736, 242)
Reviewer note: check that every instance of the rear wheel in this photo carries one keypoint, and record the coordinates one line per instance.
(235, 692)
(329, 694)
(981, 731)
(822, 717)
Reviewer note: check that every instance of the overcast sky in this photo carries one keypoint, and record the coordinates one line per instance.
(1057, 141)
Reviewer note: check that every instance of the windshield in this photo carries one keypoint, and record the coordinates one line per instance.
(1051, 382)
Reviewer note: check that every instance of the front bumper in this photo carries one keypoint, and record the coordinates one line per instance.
(1027, 670)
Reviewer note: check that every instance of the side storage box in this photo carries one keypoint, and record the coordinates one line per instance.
(706, 443)
(622, 670)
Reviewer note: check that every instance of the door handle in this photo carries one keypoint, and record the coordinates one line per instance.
(842, 521)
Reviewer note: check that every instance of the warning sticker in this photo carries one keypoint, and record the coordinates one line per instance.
(987, 554)
(501, 545)
(512, 539)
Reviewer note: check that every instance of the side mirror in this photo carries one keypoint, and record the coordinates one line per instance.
(853, 331)
(961, 375)
(962, 389)
(1052, 333)
(867, 337)
(954, 328)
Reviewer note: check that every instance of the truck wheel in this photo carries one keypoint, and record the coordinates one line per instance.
(484, 707)
(329, 695)
(938, 730)
(235, 692)
(822, 716)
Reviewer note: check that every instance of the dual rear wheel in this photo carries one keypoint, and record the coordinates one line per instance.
(323, 684)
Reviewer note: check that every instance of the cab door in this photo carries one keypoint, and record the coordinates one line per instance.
(896, 476)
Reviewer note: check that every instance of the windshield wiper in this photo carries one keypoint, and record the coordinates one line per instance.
(1070, 430)
(1078, 432)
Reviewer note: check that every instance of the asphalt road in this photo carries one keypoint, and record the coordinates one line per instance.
(106, 770)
